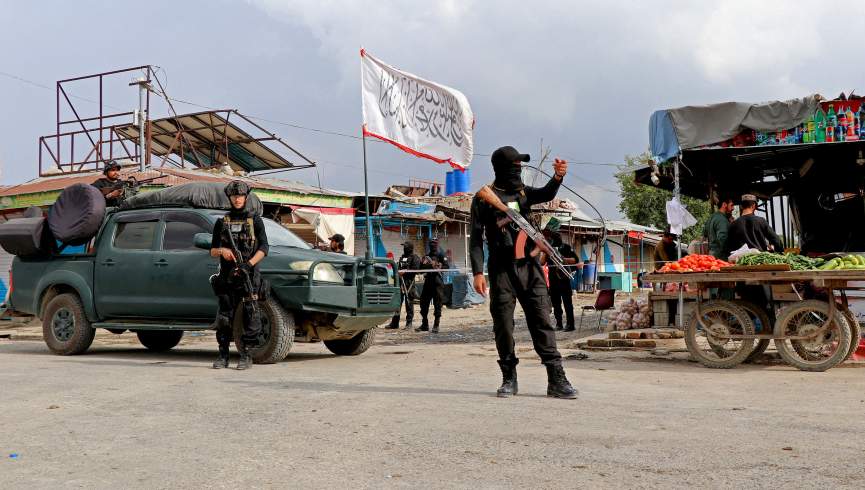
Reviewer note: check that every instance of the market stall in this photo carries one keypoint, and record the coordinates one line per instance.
(803, 160)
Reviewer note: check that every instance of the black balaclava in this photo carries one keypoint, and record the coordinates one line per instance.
(508, 173)
(556, 239)
(433, 248)
(407, 249)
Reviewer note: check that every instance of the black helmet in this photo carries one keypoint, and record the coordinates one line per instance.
(237, 188)
(110, 165)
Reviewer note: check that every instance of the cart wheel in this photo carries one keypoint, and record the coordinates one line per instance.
(756, 314)
(707, 345)
(818, 353)
(855, 332)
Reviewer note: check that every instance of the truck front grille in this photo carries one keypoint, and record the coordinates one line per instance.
(377, 297)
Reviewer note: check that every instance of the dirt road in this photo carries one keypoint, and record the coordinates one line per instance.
(418, 414)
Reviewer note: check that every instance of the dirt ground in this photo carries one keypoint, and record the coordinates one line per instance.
(417, 410)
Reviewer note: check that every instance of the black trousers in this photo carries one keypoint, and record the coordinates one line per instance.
(230, 296)
(432, 291)
(562, 295)
(523, 282)
(407, 299)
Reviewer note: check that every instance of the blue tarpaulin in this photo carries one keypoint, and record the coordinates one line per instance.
(662, 137)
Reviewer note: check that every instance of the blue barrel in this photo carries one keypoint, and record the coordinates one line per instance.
(588, 273)
(462, 180)
(449, 183)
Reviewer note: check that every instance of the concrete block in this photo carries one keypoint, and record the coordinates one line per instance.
(663, 335)
(615, 335)
(650, 344)
(632, 335)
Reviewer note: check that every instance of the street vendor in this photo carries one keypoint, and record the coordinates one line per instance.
(666, 249)
(752, 230)
(716, 229)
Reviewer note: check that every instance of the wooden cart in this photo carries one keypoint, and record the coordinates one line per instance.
(810, 332)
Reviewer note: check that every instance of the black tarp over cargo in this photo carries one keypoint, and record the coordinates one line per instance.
(206, 195)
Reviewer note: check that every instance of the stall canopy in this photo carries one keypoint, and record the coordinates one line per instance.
(328, 222)
(683, 128)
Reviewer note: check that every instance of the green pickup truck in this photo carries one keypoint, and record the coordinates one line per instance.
(147, 271)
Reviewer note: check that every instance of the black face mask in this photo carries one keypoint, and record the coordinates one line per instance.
(407, 250)
(509, 176)
(433, 249)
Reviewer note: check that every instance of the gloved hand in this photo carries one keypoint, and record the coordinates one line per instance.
(246, 267)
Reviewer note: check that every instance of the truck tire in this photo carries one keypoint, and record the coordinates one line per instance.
(354, 346)
(159, 340)
(65, 327)
(277, 332)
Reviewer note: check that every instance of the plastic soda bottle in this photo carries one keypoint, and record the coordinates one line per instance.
(842, 117)
(860, 118)
(832, 117)
(852, 133)
(830, 134)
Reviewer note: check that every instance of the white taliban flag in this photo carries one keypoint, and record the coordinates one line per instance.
(420, 117)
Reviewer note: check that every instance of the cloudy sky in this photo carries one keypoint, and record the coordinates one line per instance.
(583, 76)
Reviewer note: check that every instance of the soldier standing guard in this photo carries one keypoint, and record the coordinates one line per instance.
(513, 279)
(240, 242)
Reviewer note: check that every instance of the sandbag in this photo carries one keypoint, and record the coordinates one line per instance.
(77, 215)
(24, 237)
(206, 195)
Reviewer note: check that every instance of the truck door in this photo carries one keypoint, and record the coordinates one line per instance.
(182, 272)
(124, 284)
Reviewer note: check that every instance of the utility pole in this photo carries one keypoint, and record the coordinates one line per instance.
(143, 86)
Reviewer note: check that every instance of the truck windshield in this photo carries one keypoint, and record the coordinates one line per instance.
(278, 235)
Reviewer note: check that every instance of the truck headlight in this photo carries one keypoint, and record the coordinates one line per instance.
(323, 271)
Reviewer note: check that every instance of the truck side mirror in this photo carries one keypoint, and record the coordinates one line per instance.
(202, 240)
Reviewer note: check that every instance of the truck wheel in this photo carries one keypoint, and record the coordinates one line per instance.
(277, 332)
(159, 340)
(65, 327)
(354, 346)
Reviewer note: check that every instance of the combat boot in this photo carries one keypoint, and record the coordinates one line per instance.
(408, 324)
(394, 323)
(221, 362)
(558, 326)
(245, 361)
(558, 385)
(435, 327)
(570, 327)
(424, 326)
(509, 380)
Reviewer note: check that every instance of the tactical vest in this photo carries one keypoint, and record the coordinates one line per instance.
(243, 232)
(507, 235)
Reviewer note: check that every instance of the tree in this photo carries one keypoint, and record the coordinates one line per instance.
(646, 205)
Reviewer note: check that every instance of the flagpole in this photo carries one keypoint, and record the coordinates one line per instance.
(366, 199)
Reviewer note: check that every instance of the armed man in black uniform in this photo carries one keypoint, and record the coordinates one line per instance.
(512, 279)
(110, 185)
(561, 292)
(433, 286)
(407, 262)
(240, 242)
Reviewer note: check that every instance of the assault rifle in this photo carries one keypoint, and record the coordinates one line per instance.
(238, 273)
(128, 187)
(527, 231)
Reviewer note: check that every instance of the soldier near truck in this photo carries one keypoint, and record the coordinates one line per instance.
(240, 242)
